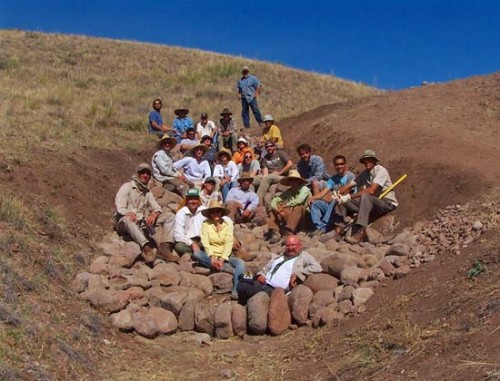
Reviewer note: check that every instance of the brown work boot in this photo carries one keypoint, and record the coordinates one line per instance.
(165, 252)
(357, 237)
(148, 254)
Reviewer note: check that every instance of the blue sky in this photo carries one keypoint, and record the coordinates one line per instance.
(390, 44)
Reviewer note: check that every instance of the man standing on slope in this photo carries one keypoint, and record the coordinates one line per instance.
(249, 88)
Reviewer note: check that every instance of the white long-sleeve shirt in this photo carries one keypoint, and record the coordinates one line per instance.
(231, 169)
(193, 170)
(188, 225)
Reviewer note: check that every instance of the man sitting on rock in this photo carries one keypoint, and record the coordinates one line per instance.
(288, 208)
(227, 131)
(196, 169)
(241, 201)
(188, 220)
(163, 167)
(323, 203)
(371, 183)
(311, 167)
(275, 165)
(188, 142)
(284, 271)
(139, 216)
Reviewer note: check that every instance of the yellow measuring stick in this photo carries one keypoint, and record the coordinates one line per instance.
(383, 194)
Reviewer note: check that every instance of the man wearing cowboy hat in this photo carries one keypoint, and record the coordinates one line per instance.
(195, 168)
(372, 182)
(288, 208)
(163, 167)
(275, 165)
(156, 125)
(227, 132)
(272, 132)
(181, 123)
(139, 217)
(241, 202)
(248, 89)
(226, 172)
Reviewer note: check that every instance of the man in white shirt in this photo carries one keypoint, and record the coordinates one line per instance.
(205, 127)
(196, 169)
(187, 227)
(284, 271)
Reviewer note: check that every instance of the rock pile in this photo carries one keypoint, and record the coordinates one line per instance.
(181, 296)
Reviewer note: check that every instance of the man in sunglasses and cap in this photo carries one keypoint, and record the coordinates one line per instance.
(372, 182)
(139, 216)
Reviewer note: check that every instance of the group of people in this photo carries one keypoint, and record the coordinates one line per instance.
(224, 180)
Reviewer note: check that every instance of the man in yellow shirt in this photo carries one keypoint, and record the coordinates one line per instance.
(272, 132)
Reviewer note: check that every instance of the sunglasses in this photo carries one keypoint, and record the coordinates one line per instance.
(248, 157)
(269, 146)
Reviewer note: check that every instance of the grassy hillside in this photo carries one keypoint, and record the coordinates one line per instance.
(54, 88)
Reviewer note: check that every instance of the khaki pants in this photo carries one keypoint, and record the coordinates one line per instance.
(265, 183)
(291, 218)
(163, 230)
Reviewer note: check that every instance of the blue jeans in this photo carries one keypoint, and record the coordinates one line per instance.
(321, 211)
(225, 190)
(237, 264)
(245, 114)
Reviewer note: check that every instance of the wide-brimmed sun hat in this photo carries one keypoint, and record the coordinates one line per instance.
(181, 110)
(245, 68)
(214, 206)
(167, 139)
(223, 151)
(202, 146)
(245, 176)
(268, 118)
(367, 154)
(225, 111)
(292, 176)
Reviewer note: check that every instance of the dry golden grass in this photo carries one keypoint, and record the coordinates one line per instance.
(59, 91)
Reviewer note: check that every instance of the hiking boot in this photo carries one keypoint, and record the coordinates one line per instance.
(165, 252)
(357, 237)
(270, 234)
(148, 254)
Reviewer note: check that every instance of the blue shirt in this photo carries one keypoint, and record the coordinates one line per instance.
(181, 125)
(336, 181)
(247, 86)
(313, 170)
(155, 116)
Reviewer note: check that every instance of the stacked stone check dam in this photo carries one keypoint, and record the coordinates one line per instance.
(170, 297)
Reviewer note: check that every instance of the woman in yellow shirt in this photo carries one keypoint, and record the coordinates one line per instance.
(272, 132)
(217, 241)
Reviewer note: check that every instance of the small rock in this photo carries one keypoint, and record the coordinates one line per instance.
(361, 295)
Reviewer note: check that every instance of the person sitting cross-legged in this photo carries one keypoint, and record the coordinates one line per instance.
(241, 201)
(323, 203)
(288, 209)
(217, 238)
(196, 169)
(284, 271)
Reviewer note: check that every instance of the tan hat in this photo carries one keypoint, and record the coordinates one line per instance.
(144, 167)
(181, 110)
(224, 151)
(292, 176)
(368, 153)
(202, 146)
(225, 111)
(167, 139)
(214, 205)
(245, 68)
(245, 176)
(268, 118)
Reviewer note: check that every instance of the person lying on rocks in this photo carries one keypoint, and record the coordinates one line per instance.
(284, 271)
(372, 182)
(275, 165)
(242, 202)
(188, 142)
(226, 172)
(195, 168)
(288, 209)
(323, 203)
(139, 216)
(208, 192)
(312, 168)
(163, 167)
(217, 240)
(188, 220)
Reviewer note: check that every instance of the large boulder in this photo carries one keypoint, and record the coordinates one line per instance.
(164, 320)
(278, 315)
(318, 282)
(204, 317)
(222, 282)
(122, 320)
(108, 301)
(223, 322)
(144, 324)
(298, 301)
(352, 274)
(196, 281)
(186, 316)
(321, 299)
(239, 320)
(334, 264)
(165, 275)
(257, 309)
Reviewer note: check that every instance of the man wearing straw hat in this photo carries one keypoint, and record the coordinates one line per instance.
(372, 182)
(288, 208)
(163, 167)
(196, 169)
